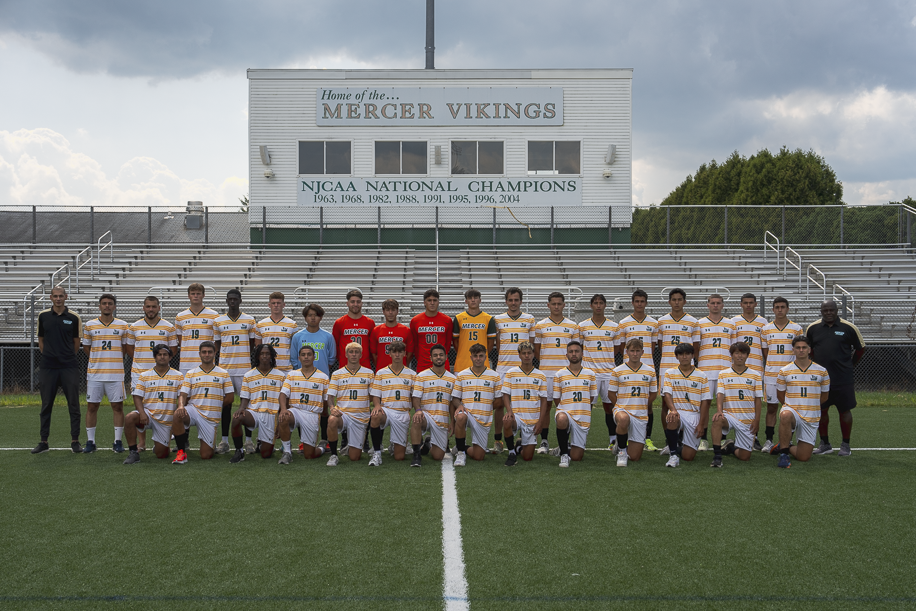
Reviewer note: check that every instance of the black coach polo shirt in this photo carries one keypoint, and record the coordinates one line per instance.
(59, 331)
(832, 346)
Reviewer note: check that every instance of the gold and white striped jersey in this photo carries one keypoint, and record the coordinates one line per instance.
(306, 392)
(715, 340)
(278, 334)
(672, 332)
(750, 332)
(687, 391)
(193, 329)
(598, 343)
(206, 391)
(144, 336)
(263, 390)
(509, 333)
(525, 391)
(352, 391)
(576, 393)
(435, 393)
(236, 337)
(633, 387)
(159, 393)
(779, 347)
(477, 393)
(553, 337)
(106, 354)
(739, 391)
(803, 389)
(394, 389)
(645, 329)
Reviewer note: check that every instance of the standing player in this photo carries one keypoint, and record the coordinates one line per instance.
(303, 400)
(632, 389)
(205, 394)
(155, 400)
(354, 327)
(471, 327)
(802, 387)
(236, 335)
(432, 397)
(575, 390)
(430, 328)
(739, 391)
(391, 401)
(325, 348)
(715, 339)
(778, 336)
(277, 330)
(104, 339)
(383, 336)
(524, 392)
(475, 391)
(512, 328)
(686, 394)
(749, 329)
(194, 325)
(349, 392)
(551, 336)
(260, 403)
(643, 327)
(600, 343)
(675, 328)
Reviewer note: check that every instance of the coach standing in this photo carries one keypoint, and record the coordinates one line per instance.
(59, 336)
(838, 346)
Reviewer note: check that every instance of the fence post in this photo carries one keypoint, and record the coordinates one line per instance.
(32, 343)
(379, 226)
(149, 225)
(783, 237)
(842, 210)
(321, 225)
(763, 305)
(610, 230)
(2, 352)
(91, 225)
(437, 248)
(494, 227)
(34, 224)
(667, 224)
(263, 225)
(206, 226)
(551, 225)
(843, 303)
(725, 224)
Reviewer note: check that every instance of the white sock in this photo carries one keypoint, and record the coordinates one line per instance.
(119, 430)
(90, 433)
(225, 438)
(286, 447)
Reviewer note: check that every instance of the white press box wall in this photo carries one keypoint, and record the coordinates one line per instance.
(597, 109)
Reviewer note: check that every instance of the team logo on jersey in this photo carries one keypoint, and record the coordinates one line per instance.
(645, 378)
(684, 329)
(284, 329)
(695, 385)
(116, 332)
(749, 382)
(314, 386)
(814, 378)
(68, 322)
(216, 379)
(244, 327)
(362, 380)
(486, 384)
(170, 383)
(405, 381)
(162, 333)
(273, 382)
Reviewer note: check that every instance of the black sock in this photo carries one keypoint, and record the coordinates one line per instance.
(181, 441)
(716, 450)
(461, 444)
(563, 440)
(333, 445)
(785, 450)
(622, 440)
(825, 439)
(299, 429)
(344, 439)
(225, 421)
(544, 434)
(769, 432)
(846, 440)
(704, 435)
(132, 448)
(611, 425)
(671, 438)
(510, 442)
(649, 425)
(376, 432)
(248, 432)
(497, 436)
(323, 425)
(237, 441)
(416, 448)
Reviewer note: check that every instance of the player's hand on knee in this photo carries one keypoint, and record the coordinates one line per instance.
(336, 413)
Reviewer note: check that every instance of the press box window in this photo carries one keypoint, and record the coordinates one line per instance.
(554, 157)
(473, 157)
(400, 157)
(324, 157)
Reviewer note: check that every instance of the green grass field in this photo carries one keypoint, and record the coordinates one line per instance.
(85, 532)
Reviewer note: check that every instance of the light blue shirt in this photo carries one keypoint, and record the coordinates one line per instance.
(323, 344)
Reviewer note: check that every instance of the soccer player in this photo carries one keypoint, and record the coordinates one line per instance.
(155, 401)
(205, 394)
(551, 336)
(739, 391)
(715, 339)
(675, 328)
(391, 331)
(748, 329)
(193, 326)
(354, 327)
(430, 328)
(349, 392)
(303, 400)
(778, 336)
(802, 387)
(325, 348)
(432, 397)
(104, 339)
(471, 327)
(685, 392)
(837, 345)
(260, 403)
(643, 327)
(475, 391)
(278, 329)
(631, 390)
(600, 343)
(391, 394)
(236, 335)
(575, 390)
(144, 335)
(524, 392)
(512, 328)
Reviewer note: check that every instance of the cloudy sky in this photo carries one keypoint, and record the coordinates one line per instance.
(146, 102)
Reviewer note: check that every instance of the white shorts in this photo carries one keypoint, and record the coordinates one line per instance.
(309, 425)
(399, 423)
(604, 380)
(480, 434)
(743, 437)
(237, 384)
(162, 434)
(713, 385)
(577, 433)
(356, 430)
(689, 422)
(206, 430)
(438, 435)
(549, 390)
(265, 423)
(637, 429)
(526, 431)
(805, 432)
(769, 392)
(96, 390)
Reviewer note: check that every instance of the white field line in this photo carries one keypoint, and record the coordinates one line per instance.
(454, 582)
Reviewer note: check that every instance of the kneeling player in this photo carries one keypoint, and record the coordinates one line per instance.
(432, 396)
(260, 402)
(685, 393)
(738, 397)
(524, 394)
(205, 393)
(349, 391)
(391, 400)
(303, 401)
(575, 389)
(155, 400)
(475, 392)
(631, 389)
(801, 386)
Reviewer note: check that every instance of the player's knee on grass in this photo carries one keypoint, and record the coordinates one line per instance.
(206, 452)
(354, 452)
(576, 454)
(634, 450)
(527, 452)
(802, 451)
(161, 451)
(476, 452)
(688, 453)
(267, 450)
(744, 455)
(399, 452)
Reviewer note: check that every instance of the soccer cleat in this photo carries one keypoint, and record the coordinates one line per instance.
(716, 462)
(417, 461)
(674, 461)
(767, 446)
(564, 461)
(454, 451)
(757, 447)
(76, 448)
(728, 446)
(622, 459)
(222, 447)
(461, 459)
(238, 457)
(650, 447)
(181, 458)
(784, 461)
(427, 443)
(118, 446)
(775, 449)
(615, 449)
(324, 444)
(132, 458)
(89, 448)
(301, 449)
(824, 448)
(512, 459)
(704, 446)
(286, 458)
(408, 450)
(666, 451)
(390, 448)
(344, 449)
(376, 460)
(543, 448)
(845, 450)
(498, 447)
(41, 448)
(366, 446)
(248, 447)
(332, 462)
(554, 451)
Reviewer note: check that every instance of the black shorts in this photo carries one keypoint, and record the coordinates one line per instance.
(844, 397)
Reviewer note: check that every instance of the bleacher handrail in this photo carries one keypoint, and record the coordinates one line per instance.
(99, 247)
(172, 287)
(786, 261)
(769, 246)
(26, 306)
(60, 270)
(699, 289)
(810, 280)
(850, 308)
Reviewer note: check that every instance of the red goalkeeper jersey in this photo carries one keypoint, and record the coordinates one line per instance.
(427, 332)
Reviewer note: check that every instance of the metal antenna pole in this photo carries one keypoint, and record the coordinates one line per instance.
(430, 34)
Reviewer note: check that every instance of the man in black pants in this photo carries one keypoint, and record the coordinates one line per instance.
(59, 335)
